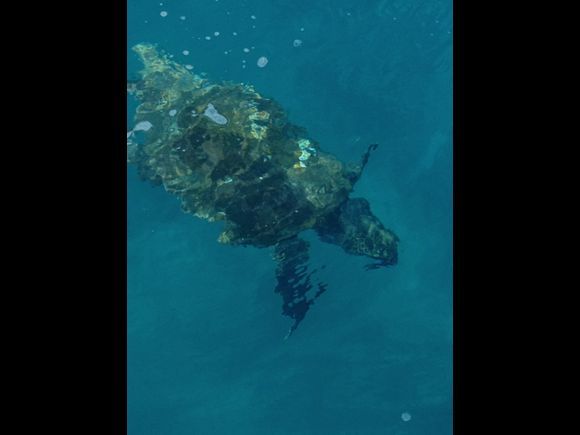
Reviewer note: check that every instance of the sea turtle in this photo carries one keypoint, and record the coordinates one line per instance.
(230, 154)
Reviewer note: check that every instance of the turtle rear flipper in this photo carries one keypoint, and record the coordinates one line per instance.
(294, 280)
(359, 232)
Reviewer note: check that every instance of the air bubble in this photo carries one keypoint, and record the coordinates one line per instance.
(212, 113)
(143, 126)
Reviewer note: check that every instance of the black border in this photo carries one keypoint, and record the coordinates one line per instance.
(119, 219)
(458, 196)
(72, 216)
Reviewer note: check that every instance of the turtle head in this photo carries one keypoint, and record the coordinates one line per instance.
(359, 232)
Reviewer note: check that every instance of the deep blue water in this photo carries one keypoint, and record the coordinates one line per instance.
(206, 353)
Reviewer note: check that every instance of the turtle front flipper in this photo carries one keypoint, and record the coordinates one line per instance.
(359, 232)
(294, 280)
(355, 171)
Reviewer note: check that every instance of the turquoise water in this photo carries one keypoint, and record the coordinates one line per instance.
(206, 353)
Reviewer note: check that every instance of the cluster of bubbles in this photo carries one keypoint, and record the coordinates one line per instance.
(262, 60)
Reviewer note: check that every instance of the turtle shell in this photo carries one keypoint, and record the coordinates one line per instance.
(232, 155)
